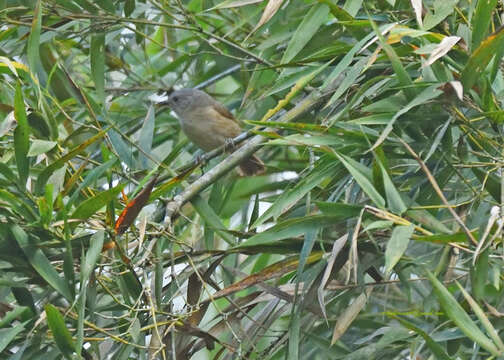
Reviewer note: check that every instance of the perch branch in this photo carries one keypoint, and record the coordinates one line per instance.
(249, 147)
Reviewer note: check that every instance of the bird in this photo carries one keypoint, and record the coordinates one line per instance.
(209, 124)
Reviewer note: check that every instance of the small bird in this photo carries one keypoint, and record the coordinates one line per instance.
(208, 124)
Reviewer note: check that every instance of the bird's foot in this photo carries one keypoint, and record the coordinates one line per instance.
(229, 145)
(199, 158)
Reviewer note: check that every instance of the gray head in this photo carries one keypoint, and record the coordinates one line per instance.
(184, 100)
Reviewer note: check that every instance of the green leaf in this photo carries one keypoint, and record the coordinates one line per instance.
(442, 9)
(288, 229)
(40, 147)
(458, 315)
(427, 94)
(18, 204)
(401, 73)
(97, 53)
(21, 136)
(397, 245)
(339, 210)
(59, 330)
(7, 173)
(394, 200)
(90, 178)
(481, 21)
(309, 239)
(363, 181)
(480, 58)
(352, 74)
(129, 7)
(436, 349)
(315, 17)
(291, 196)
(145, 138)
(347, 59)
(93, 254)
(34, 38)
(123, 150)
(352, 7)
(106, 5)
(92, 205)
(40, 262)
(233, 3)
(47, 172)
(212, 219)
(8, 334)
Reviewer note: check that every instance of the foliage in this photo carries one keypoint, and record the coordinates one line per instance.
(375, 232)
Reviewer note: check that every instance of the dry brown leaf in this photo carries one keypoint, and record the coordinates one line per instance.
(417, 6)
(270, 10)
(133, 208)
(348, 316)
(442, 49)
(337, 246)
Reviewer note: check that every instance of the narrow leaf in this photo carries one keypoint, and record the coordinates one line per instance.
(47, 172)
(442, 49)
(442, 9)
(363, 182)
(8, 334)
(59, 330)
(481, 57)
(40, 262)
(212, 219)
(459, 316)
(312, 21)
(34, 38)
(40, 147)
(397, 245)
(95, 203)
(481, 21)
(21, 136)
(346, 318)
(436, 349)
(427, 94)
(145, 138)
(97, 54)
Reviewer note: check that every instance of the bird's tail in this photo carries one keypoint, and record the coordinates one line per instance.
(251, 166)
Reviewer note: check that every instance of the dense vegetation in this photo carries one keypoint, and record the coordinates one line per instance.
(374, 233)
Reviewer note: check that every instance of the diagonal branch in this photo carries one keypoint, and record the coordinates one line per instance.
(438, 190)
(248, 148)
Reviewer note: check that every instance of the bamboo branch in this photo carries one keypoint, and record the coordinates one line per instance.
(249, 147)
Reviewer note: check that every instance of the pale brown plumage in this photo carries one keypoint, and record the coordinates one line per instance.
(208, 124)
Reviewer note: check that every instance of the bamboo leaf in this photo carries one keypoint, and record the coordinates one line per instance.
(48, 171)
(34, 38)
(459, 316)
(480, 58)
(397, 245)
(97, 53)
(362, 180)
(21, 136)
(59, 330)
(90, 206)
(315, 17)
(40, 262)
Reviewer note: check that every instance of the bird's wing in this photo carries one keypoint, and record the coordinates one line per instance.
(221, 109)
(225, 126)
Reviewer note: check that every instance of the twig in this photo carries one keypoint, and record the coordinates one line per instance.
(436, 187)
(233, 160)
(219, 76)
